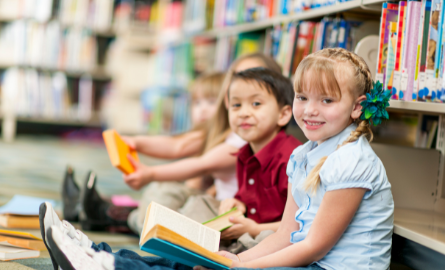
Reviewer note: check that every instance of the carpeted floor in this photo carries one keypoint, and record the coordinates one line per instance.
(35, 166)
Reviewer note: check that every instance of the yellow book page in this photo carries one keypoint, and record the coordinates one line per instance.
(20, 234)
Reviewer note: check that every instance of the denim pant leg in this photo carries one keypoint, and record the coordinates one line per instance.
(102, 246)
(309, 267)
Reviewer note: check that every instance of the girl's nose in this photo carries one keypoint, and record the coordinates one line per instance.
(311, 109)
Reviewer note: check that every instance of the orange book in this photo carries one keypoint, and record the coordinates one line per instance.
(118, 151)
(21, 240)
(19, 221)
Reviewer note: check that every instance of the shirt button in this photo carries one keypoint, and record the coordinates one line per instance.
(251, 181)
(253, 211)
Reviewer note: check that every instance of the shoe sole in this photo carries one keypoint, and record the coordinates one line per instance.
(42, 211)
(60, 257)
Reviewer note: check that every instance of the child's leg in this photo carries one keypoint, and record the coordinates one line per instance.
(172, 195)
(126, 259)
(200, 208)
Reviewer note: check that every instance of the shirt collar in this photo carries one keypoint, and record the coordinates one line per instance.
(265, 155)
(328, 146)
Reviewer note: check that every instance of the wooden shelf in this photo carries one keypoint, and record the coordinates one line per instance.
(415, 106)
(423, 227)
(93, 122)
(98, 73)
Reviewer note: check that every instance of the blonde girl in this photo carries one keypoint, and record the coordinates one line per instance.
(341, 215)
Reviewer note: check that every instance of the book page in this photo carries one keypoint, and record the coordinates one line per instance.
(190, 229)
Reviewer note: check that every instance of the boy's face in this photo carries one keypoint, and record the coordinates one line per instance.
(203, 108)
(254, 113)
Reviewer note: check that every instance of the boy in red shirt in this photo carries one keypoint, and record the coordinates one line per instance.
(260, 107)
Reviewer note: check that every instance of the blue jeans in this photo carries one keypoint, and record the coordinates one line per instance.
(127, 259)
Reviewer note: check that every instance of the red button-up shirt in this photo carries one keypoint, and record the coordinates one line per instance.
(262, 178)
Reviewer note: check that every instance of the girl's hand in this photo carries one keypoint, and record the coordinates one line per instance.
(228, 204)
(241, 226)
(130, 141)
(140, 177)
(228, 255)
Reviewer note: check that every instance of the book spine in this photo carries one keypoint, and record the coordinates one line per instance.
(429, 91)
(392, 47)
(391, 16)
(379, 74)
(423, 58)
(419, 49)
(436, 94)
(411, 55)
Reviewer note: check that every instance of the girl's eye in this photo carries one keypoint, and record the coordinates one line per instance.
(327, 101)
(235, 105)
(256, 104)
(301, 98)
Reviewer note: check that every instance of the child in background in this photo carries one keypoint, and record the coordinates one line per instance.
(218, 142)
(260, 103)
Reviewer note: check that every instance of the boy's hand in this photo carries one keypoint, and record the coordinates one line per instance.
(241, 225)
(140, 177)
(228, 204)
(130, 141)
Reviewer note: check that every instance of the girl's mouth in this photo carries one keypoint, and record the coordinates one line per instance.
(312, 125)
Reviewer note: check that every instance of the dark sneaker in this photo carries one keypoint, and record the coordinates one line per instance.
(47, 218)
(70, 197)
(98, 214)
(73, 257)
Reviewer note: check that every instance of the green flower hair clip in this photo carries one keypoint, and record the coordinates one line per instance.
(374, 107)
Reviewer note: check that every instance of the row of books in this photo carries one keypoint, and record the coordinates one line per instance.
(93, 14)
(288, 44)
(410, 60)
(166, 111)
(192, 16)
(48, 45)
(30, 93)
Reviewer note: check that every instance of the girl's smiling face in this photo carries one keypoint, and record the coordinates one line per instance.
(324, 114)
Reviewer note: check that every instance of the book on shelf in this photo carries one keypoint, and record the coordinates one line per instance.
(395, 87)
(424, 30)
(118, 150)
(21, 240)
(173, 236)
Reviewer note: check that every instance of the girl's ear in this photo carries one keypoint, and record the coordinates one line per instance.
(285, 116)
(357, 110)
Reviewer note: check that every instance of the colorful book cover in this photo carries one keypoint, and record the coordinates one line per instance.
(392, 13)
(411, 48)
(401, 75)
(429, 92)
(379, 75)
(422, 63)
(390, 61)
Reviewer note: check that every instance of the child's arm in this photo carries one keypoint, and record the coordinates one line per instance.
(168, 147)
(220, 157)
(336, 211)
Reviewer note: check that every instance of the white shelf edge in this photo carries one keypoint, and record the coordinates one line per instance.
(417, 106)
(93, 122)
(421, 226)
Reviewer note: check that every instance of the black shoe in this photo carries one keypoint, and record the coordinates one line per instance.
(98, 214)
(70, 197)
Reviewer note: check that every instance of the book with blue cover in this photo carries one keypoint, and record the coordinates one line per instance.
(173, 236)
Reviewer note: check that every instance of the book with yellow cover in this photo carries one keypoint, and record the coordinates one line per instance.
(173, 236)
(21, 240)
(19, 221)
(118, 151)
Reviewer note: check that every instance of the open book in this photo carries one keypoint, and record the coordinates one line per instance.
(173, 236)
(222, 222)
(21, 240)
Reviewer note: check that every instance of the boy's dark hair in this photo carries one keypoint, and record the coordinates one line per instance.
(275, 83)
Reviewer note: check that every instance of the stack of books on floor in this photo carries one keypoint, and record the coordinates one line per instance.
(21, 212)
